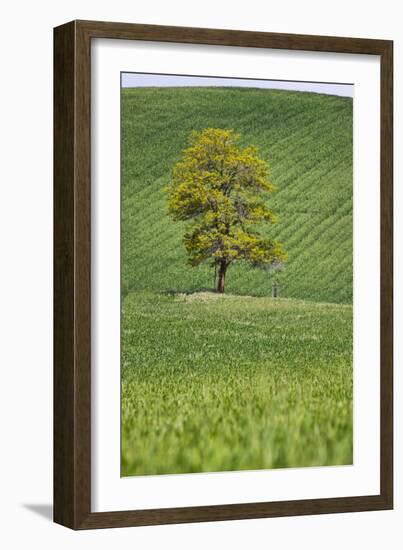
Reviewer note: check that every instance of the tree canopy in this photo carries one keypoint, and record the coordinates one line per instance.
(221, 190)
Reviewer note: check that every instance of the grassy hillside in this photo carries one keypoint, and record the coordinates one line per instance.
(307, 140)
(237, 381)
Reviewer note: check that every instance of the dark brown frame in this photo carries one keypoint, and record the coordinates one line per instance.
(72, 292)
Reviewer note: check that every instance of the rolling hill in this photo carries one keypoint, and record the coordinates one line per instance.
(306, 139)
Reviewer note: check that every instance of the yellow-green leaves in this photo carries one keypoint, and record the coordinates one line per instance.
(221, 189)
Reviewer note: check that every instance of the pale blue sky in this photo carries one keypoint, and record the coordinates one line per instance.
(137, 80)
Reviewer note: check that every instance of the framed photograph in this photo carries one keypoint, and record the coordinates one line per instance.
(223, 302)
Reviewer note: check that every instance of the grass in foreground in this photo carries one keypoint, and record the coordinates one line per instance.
(216, 383)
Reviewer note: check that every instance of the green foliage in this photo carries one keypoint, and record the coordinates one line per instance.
(219, 188)
(307, 141)
(221, 382)
(216, 382)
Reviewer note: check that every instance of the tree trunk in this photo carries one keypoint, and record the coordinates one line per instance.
(221, 277)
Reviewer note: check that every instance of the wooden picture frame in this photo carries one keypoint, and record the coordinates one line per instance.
(72, 270)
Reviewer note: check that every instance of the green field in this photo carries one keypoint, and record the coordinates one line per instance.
(307, 140)
(240, 381)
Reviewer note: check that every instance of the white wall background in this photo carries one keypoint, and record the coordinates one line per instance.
(26, 271)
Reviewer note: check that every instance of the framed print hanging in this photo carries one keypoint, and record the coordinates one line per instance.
(222, 274)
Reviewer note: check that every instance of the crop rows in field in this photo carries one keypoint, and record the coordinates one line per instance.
(307, 140)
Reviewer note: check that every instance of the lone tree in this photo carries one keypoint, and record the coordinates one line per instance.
(220, 189)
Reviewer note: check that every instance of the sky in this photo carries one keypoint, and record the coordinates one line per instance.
(137, 80)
